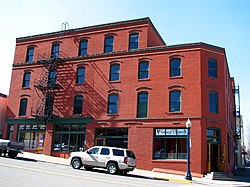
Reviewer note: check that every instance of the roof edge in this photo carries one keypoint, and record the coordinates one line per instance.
(145, 19)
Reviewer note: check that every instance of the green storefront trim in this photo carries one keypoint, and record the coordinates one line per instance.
(20, 121)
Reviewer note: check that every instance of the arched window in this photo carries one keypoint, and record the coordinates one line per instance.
(213, 102)
(108, 44)
(212, 68)
(133, 41)
(55, 51)
(142, 105)
(30, 54)
(83, 46)
(114, 72)
(80, 75)
(175, 101)
(26, 80)
(175, 67)
(78, 103)
(23, 107)
(113, 104)
(143, 70)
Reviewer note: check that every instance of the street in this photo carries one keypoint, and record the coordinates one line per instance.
(23, 172)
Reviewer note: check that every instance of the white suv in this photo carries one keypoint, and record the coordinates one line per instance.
(113, 159)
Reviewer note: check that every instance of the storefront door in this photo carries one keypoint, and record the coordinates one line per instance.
(216, 158)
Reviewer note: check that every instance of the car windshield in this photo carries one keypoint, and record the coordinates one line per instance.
(130, 154)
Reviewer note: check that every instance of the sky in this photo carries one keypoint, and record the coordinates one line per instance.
(224, 23)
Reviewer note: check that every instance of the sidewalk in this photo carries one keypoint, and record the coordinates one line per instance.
(141, 173)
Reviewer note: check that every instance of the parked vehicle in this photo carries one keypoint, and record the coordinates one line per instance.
(11, 148)
(115, 160)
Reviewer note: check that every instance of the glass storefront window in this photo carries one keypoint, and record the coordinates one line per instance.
(32, 136)
(68, 138)
(116, 137)
(170, 144)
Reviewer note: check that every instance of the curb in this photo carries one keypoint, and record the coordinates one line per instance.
(173, 180)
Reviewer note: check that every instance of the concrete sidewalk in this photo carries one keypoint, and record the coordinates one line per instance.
(141, 173)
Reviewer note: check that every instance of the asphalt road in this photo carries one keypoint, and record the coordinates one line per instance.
(22, 172)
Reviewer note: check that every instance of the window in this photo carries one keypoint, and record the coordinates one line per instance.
(143, 70)
(26, 80)
(142, 105)
(93, 150)
(112, 104)
(170, 144)
(213, 102)
(52, 78)
(69, 138)
(23, 107)
(175, 101)
(78, 102)
(117, 152)
(114, 137)
(133, 41)
(212, 68)
(55, 51)
(175, 67)
(114, 72)
(30, 54)
(48, 111)
(104, 151)
(108, 44)
(80, 77)
(83, 46)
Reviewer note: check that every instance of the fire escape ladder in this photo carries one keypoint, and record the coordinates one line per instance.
(237, 112)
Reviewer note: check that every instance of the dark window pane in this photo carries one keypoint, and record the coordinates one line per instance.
(23, 107)
(213, 102)
(52, 78)
(49, 106)
(175, 101)
(143, 70)
(112, 104)
(117, 152)
(108, 44)
(55, 51)
(114, 72)
(26, 80)
(212, 68)
(175, 67)
(142, 105)
(80, 77)
(30, 54)
(104, 151)
(83, 48)
(133, 41)
(78, 103)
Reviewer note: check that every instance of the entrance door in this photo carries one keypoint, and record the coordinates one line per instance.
(216, 158)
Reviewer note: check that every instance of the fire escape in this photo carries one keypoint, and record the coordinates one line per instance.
(237, 112)
(47, 87)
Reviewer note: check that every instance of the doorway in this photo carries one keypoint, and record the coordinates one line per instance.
(215, 151)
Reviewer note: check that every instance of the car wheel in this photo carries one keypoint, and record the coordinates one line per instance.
(76, 163)
(12, 154)
(87, 168)
(112, 168)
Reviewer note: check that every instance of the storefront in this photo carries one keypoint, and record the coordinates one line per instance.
(170, 144)
(32, 136)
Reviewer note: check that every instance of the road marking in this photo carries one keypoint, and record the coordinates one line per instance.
(69, 175)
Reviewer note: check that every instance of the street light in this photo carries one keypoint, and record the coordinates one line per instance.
(188, 175)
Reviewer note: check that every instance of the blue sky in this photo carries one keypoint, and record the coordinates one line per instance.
(224, 23)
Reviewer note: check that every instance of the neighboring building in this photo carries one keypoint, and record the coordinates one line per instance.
(118, 84)
(3, 106)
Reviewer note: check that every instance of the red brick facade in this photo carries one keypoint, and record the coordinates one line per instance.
(193, 83)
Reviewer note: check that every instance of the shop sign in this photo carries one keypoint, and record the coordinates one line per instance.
(170, 132)
(181, 132)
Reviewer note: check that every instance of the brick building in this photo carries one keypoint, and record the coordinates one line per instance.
(119, 84)
(3, 106)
